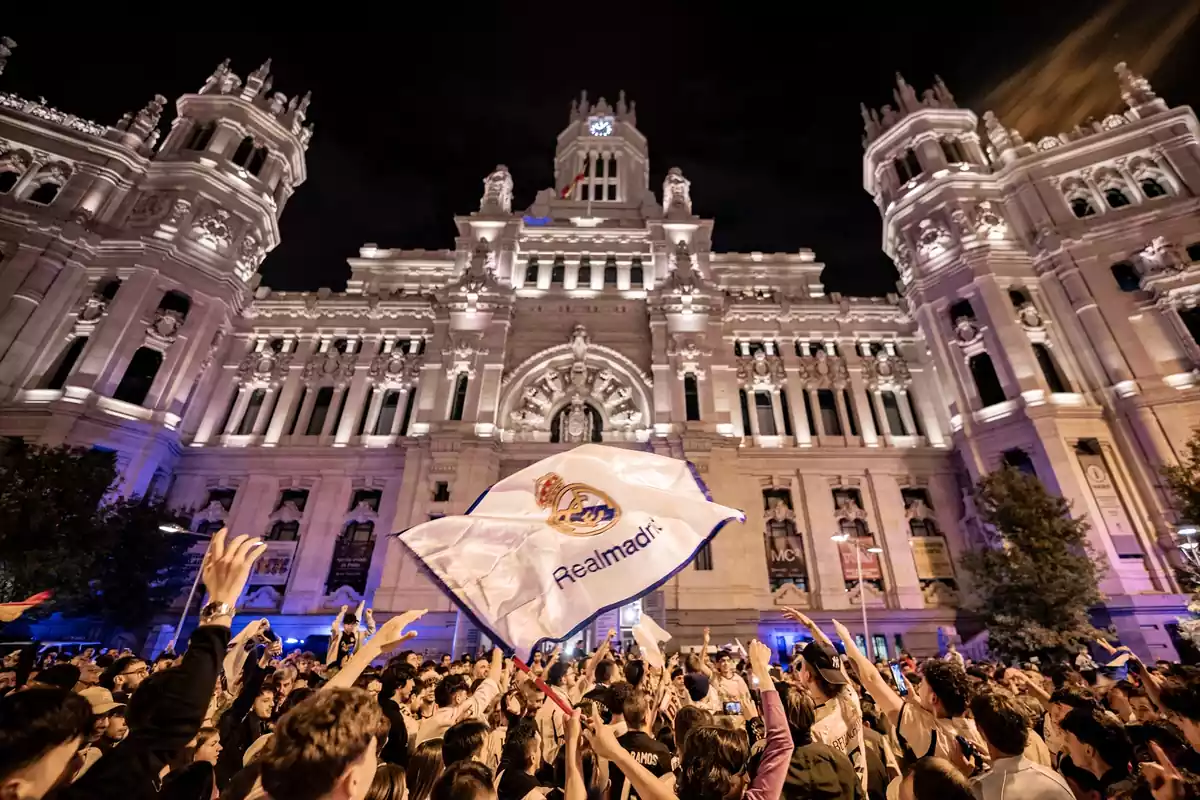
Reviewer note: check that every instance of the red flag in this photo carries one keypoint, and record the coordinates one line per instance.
(570, 187)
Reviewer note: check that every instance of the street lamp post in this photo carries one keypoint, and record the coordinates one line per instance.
(862, 593)
(195, 582)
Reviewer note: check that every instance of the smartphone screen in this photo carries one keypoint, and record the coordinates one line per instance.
(733, 708)
(898, 676)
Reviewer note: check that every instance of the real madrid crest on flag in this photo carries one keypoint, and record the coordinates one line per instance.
(543, 551)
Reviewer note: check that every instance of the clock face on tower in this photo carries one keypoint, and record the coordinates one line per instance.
(600, 126)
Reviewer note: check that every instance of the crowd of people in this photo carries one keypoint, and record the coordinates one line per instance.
(235, 717)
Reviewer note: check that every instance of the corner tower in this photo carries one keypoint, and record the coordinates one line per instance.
(601, 155)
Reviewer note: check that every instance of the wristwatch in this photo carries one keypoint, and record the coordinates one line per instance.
(213, 610)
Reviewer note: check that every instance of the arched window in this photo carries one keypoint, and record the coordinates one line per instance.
(243, 152)
(45, 193)
(583, 278)
(961, 309)
(610, 271)
(352, 558)
(459, 403)
(636, 273)
(1193, 251)
(908, 166)
(201, 136)
(1151, 187)
(1126, 276)
(109, 288)
(1082, 207)
(575, 423)
(246, 426)
(66, 363)
(987, 382)
(177, 302)
(1054, 377)
(139, 376)
(1115, 197)
(827, 404)
(691, 397)
(257, 160)
(1018, 297)
(558, 272)
(953, 151)
(8, 179)
(531, 271)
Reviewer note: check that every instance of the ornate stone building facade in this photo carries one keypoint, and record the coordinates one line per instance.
(1046, 318)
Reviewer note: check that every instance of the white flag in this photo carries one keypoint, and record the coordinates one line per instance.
(545, 550)
(648, 634)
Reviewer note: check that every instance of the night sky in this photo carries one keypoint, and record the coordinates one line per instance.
(411, 117)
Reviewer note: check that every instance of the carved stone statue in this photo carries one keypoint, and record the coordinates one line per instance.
(1135, 89)
(677, 194)
(497, 192)
(579, 343)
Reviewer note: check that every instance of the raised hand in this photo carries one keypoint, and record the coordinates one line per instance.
(226, 566)
(796, 616)
(1166, 782)
(392, 633)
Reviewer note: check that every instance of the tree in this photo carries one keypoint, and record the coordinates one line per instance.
(1034, 588)
(1183, 482)
(63, 528)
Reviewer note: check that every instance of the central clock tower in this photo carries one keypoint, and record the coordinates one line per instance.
(601, 155)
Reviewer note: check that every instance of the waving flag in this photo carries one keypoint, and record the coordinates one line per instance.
(570, 187)
(545, 550)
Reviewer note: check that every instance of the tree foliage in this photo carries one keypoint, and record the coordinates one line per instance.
(1034, 587)
(63, 528)
(1183, 481)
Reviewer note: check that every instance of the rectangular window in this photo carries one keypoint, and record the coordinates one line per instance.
(704, 560)
(746, 429)
(787, 413)
(291, 426)
(387, 412)
(441, 492)
(408, 410)
(316, 423)
(459, 405)
(850, 418)
(691, 397)
(829, 413)
(916, 414)
(808, 413)
(246, 426)
(765, 413)
(891, 409)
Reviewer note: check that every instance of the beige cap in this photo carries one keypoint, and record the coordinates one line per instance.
(101, 699)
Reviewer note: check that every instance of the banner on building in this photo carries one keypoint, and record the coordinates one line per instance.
(785, 557)
(1113, 516)
(870, 561)
(583, 532)
(932, 557)
(274, 566)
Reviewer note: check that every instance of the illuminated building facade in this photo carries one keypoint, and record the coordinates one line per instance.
(1045, 321)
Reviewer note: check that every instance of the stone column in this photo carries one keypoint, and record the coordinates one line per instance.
(877, 404)
(777, 413)
(377, 395)
(44, 298)
(906, 411)
(818, 422)
(893, 537)
(818, 503)
(306, 410)
(336, 410)
(121, 323)
(356, 394)
(310, 568)
(239, 409)
(839, 401)
(266, 411)
(799, 417)
(866, 423)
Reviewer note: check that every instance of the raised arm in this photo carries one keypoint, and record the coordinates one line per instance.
(647, 786)
(773, 765)
(390, 636)
(705, 667)
(575, 788)
(884, 695)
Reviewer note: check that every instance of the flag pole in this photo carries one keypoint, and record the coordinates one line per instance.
(541, 684)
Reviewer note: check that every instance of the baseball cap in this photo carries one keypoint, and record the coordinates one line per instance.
(826, 661)
(100, 699)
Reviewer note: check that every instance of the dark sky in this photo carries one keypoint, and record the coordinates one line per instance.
(760, 113)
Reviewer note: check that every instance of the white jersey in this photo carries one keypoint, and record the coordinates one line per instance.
(839, 725)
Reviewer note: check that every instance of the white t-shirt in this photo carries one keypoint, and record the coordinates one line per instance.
(917, 726)
(839, 725)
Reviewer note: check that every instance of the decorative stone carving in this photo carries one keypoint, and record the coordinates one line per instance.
(932, 238)
(916, 509)
(988, 222)
(1135, 89)
(576, 383)
(213, 229)
(823, 371)
(677, 194)
(938, 593)
(165, 326)
(329, 367)
(179, 210)
(885, 370)
(497, 192)
(148, 209)
(1030, 318)
(688, 357)
(395, 370)
(461, 357)
(761, 371)
(250, 256)
(93, 308)
(266, 366)
(213, 512)
(962, 225)
(847, 509)
(966, 330)
(480, 275)
(1161, 256)
(213, 347)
